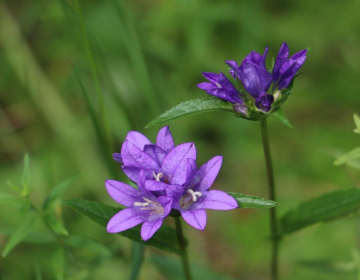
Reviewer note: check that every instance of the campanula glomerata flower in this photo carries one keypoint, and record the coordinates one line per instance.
(255, 97)
(142, 207)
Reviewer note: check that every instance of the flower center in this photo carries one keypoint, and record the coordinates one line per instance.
(187, 199)
(149, 205)
(158, 176)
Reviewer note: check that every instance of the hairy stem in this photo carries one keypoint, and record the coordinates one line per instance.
(184, 257)
(270, 175)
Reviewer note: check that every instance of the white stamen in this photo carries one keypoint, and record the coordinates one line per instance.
(194, 195)
(157, 176)
(217, 84)
(141, 204)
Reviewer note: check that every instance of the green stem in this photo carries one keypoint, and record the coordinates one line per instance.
(270, 175)
(184, 257)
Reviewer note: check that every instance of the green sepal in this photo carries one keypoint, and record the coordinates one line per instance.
(279, 115)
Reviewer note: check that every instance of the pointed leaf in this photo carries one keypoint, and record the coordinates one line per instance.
(320, 209)
(165, 238)
(6, 198)
(55, 225)
(357, 123)
(191, 107)
(57, 192)
(19, 235)
(25, 181)
(279, 115)
(248, 201)
(353, 154)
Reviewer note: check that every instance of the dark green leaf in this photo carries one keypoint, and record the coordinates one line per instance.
(323, 208)
(137, 256)
(279, 115)
(19, 235)
(353, 154)
(172, 269)
(57, 192)
(248, 201)
(191, 107)
(165, 238)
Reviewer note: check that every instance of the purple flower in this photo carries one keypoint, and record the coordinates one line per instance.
(143, 207)
(164, 141)
(220, 87)
(161, 162)
(286, 68)
(193, 197)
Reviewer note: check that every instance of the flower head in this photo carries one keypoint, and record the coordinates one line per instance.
(254, 99)
(193, 198)
(143, 207)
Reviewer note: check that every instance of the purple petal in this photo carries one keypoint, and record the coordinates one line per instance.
(149, 228)
(133, 156)
(212, 77)
(165, 140)
(175, 192)
(166, 202)
(152, 185)
(195, 218)
(131, 172)
(232, 63)
(263, 103)
(208, 172)
(117, 157)
(218, 200)
(138, 139)
(122, 193)
(241, 108)
(290, 68)
(206, 86)
(141, 181)
(281, 58)
(191, 170)
(155, 152)
(124, 220)
(175, 163)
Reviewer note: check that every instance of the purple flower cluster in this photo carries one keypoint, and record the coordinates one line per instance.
(168, 179)
(255, 79)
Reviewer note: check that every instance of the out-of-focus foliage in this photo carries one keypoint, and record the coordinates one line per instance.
(133, 61)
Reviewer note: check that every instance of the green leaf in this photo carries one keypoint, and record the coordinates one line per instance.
(248, 201)
(26, 175)
(357, 123)
(165, 238)
(353, 154)
(15, 187)
(172, 269)
(137, 256)
(331, 266)
(355, 163)
(323, 208)
(88, 244)
(191, 107)
(19, 235)
(57, 192)
(58, 262)
(32, 237)
(55, 225)
(279, 115)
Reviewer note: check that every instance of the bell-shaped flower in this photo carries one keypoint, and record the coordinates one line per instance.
(142, 207)
(158, 164)
(285, 68)
(220, 87)
(194, 197)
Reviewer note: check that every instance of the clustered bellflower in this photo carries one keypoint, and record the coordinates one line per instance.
(168, 180)
(259, 86)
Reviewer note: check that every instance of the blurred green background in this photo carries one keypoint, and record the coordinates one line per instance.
(137, 59)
